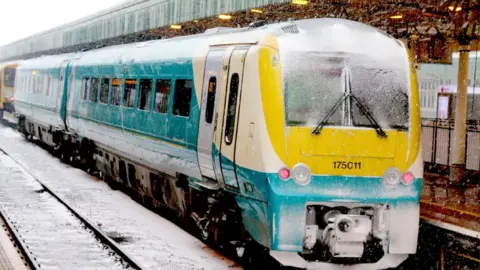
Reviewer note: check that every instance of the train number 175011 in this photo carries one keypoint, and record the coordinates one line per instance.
(347, 165)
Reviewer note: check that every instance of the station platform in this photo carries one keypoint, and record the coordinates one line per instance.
(450, 207)
(10, 259)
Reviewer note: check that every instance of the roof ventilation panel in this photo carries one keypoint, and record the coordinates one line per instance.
(290, 29)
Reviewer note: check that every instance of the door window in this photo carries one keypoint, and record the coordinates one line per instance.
(212, 88)
(232, 109)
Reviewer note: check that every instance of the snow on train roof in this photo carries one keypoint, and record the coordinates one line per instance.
(188, 47)
(4, 64)
(46, 62)
(340, 36)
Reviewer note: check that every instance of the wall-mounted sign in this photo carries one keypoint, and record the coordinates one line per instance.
(443, 106)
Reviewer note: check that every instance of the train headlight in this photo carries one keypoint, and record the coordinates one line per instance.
(301, 174)
(392, 177)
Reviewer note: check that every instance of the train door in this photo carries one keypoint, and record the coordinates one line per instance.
(210, 92)
(230, 117)
(60, 94)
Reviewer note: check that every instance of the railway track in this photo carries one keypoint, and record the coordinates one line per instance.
(47, 230)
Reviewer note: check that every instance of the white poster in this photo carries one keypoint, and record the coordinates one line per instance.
(442, 109)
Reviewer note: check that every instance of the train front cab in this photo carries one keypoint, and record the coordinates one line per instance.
(349, 186)
(7, 85)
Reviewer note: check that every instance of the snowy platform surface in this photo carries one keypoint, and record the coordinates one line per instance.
(151, 240)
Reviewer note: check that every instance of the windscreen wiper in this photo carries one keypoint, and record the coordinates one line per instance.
(319, 127)
(370, 118)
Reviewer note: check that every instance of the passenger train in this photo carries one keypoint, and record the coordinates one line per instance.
(300, 137)
(7, 87)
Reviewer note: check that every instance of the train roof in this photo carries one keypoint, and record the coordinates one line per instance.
(188, 47)
(10, 63)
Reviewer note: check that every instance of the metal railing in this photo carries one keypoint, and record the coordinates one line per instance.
(437, 141)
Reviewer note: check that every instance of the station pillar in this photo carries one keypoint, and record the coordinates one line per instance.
(457, 168)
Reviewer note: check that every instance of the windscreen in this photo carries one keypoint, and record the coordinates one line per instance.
(322, 67)
(9, 77)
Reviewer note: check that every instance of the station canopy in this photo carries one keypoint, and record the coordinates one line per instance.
(435, 25)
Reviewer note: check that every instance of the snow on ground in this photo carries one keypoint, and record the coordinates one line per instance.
(151, 240)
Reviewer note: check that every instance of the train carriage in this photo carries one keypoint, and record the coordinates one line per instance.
(301, 137)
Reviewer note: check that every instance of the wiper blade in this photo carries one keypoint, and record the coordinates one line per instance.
(319, 127)
(370, 118)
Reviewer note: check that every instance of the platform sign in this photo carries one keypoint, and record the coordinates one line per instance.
(443, 106)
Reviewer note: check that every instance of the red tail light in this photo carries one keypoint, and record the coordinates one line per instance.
(284, 174)
(408, 178)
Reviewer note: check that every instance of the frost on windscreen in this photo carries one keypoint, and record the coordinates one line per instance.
(315, 62)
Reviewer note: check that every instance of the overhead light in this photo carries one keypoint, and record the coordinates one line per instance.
(225, 17)
(175, 26)
(34, 72)
(299, 2)
(456, 8)
(254, 10)
(396, 17)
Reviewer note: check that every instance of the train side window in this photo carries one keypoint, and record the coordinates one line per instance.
(129, 93)
(116, 92)
(94, 92)
(162, 93)
(85, 83)
(232, 109)
(182, 97)
(48, 85)
(34, 85)
(44, 85)
(145, 94)
(212, 88)
(39, 85)
(104, 85)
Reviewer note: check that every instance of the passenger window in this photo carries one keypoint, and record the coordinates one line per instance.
(145, 94)
(116, 92)
(48, 86)
(129, 95)
(34, 85)
(182, 98)
(105, 83)
(39, 86)
(232, 109)
(212, 88)
(162, 93)
(85, 83)
(94, 92)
